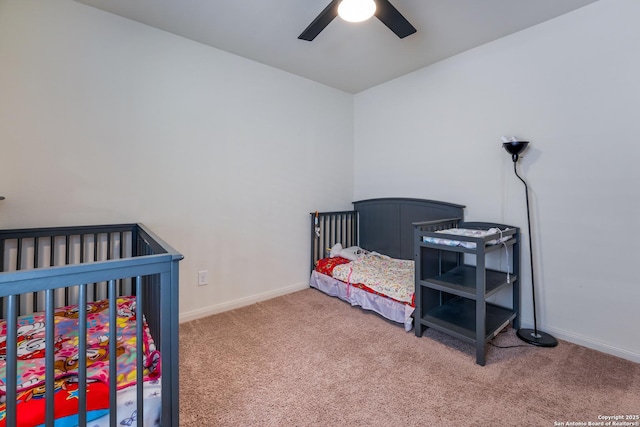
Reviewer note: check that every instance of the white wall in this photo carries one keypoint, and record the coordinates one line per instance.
(571, 87)
(105, 120)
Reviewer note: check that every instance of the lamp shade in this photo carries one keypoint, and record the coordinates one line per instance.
(515, 148)
(356, 10)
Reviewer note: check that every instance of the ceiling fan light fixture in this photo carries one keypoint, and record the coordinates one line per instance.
(356, 10)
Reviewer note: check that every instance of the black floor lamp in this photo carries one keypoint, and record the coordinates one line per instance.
(531, 336)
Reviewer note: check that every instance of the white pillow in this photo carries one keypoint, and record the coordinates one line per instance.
(351, 253)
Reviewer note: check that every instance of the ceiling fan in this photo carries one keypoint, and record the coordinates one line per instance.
(384, 11)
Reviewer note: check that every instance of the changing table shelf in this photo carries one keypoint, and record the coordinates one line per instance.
(461, 281)
(457, 317)
(453, 283)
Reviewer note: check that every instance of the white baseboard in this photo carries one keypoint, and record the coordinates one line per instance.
(587, 342)
(241, 302)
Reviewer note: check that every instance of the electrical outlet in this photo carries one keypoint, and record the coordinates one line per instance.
(203, 278)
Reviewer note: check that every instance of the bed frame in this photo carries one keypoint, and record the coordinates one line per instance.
(45, 268)
(382, 225)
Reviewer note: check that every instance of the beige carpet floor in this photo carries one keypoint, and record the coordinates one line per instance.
(307, 359)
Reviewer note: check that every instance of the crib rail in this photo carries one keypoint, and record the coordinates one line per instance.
(55, 267)
(29, 249)
(329, 228)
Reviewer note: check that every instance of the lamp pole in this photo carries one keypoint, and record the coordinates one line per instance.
(531, 336)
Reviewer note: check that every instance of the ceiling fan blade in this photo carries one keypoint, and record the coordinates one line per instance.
(321, 21)
(393, 19)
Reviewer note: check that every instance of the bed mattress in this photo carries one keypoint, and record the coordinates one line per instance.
(378, 283)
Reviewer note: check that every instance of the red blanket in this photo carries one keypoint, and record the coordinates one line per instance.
(31, 404)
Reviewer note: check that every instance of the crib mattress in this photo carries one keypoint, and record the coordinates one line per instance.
(374, 273)
(361, 297)
(329, 271)
(386, 276)
(31, 365)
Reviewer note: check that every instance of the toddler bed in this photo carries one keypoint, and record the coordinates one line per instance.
(108, 293)
(383, 279)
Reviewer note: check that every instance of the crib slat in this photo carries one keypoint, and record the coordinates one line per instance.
(82, 243)
(139, 353)
(52, 251)
(67, 249)
(11, 367)
(121, 244)
(113, 356)
(82, 355)
(331, 230)
(325, 237)
(95, 258)
(119, 256)
(354, 228)
(169, 401)
(49, 356)
(36, 251)
(19, 256)
(34, 295)
(66, 262)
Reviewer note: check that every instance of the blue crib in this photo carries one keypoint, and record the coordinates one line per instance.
(45, 269)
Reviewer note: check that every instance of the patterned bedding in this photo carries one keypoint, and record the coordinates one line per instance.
(380, 274)
(31, 362)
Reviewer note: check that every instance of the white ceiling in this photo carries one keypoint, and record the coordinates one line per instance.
(347, 56)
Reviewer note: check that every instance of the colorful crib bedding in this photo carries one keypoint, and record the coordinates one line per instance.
(387, 276)
(31, 363)
(451, 241)
(375, 273)
(372, 298)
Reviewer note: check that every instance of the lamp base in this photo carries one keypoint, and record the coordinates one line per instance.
(541, 339)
